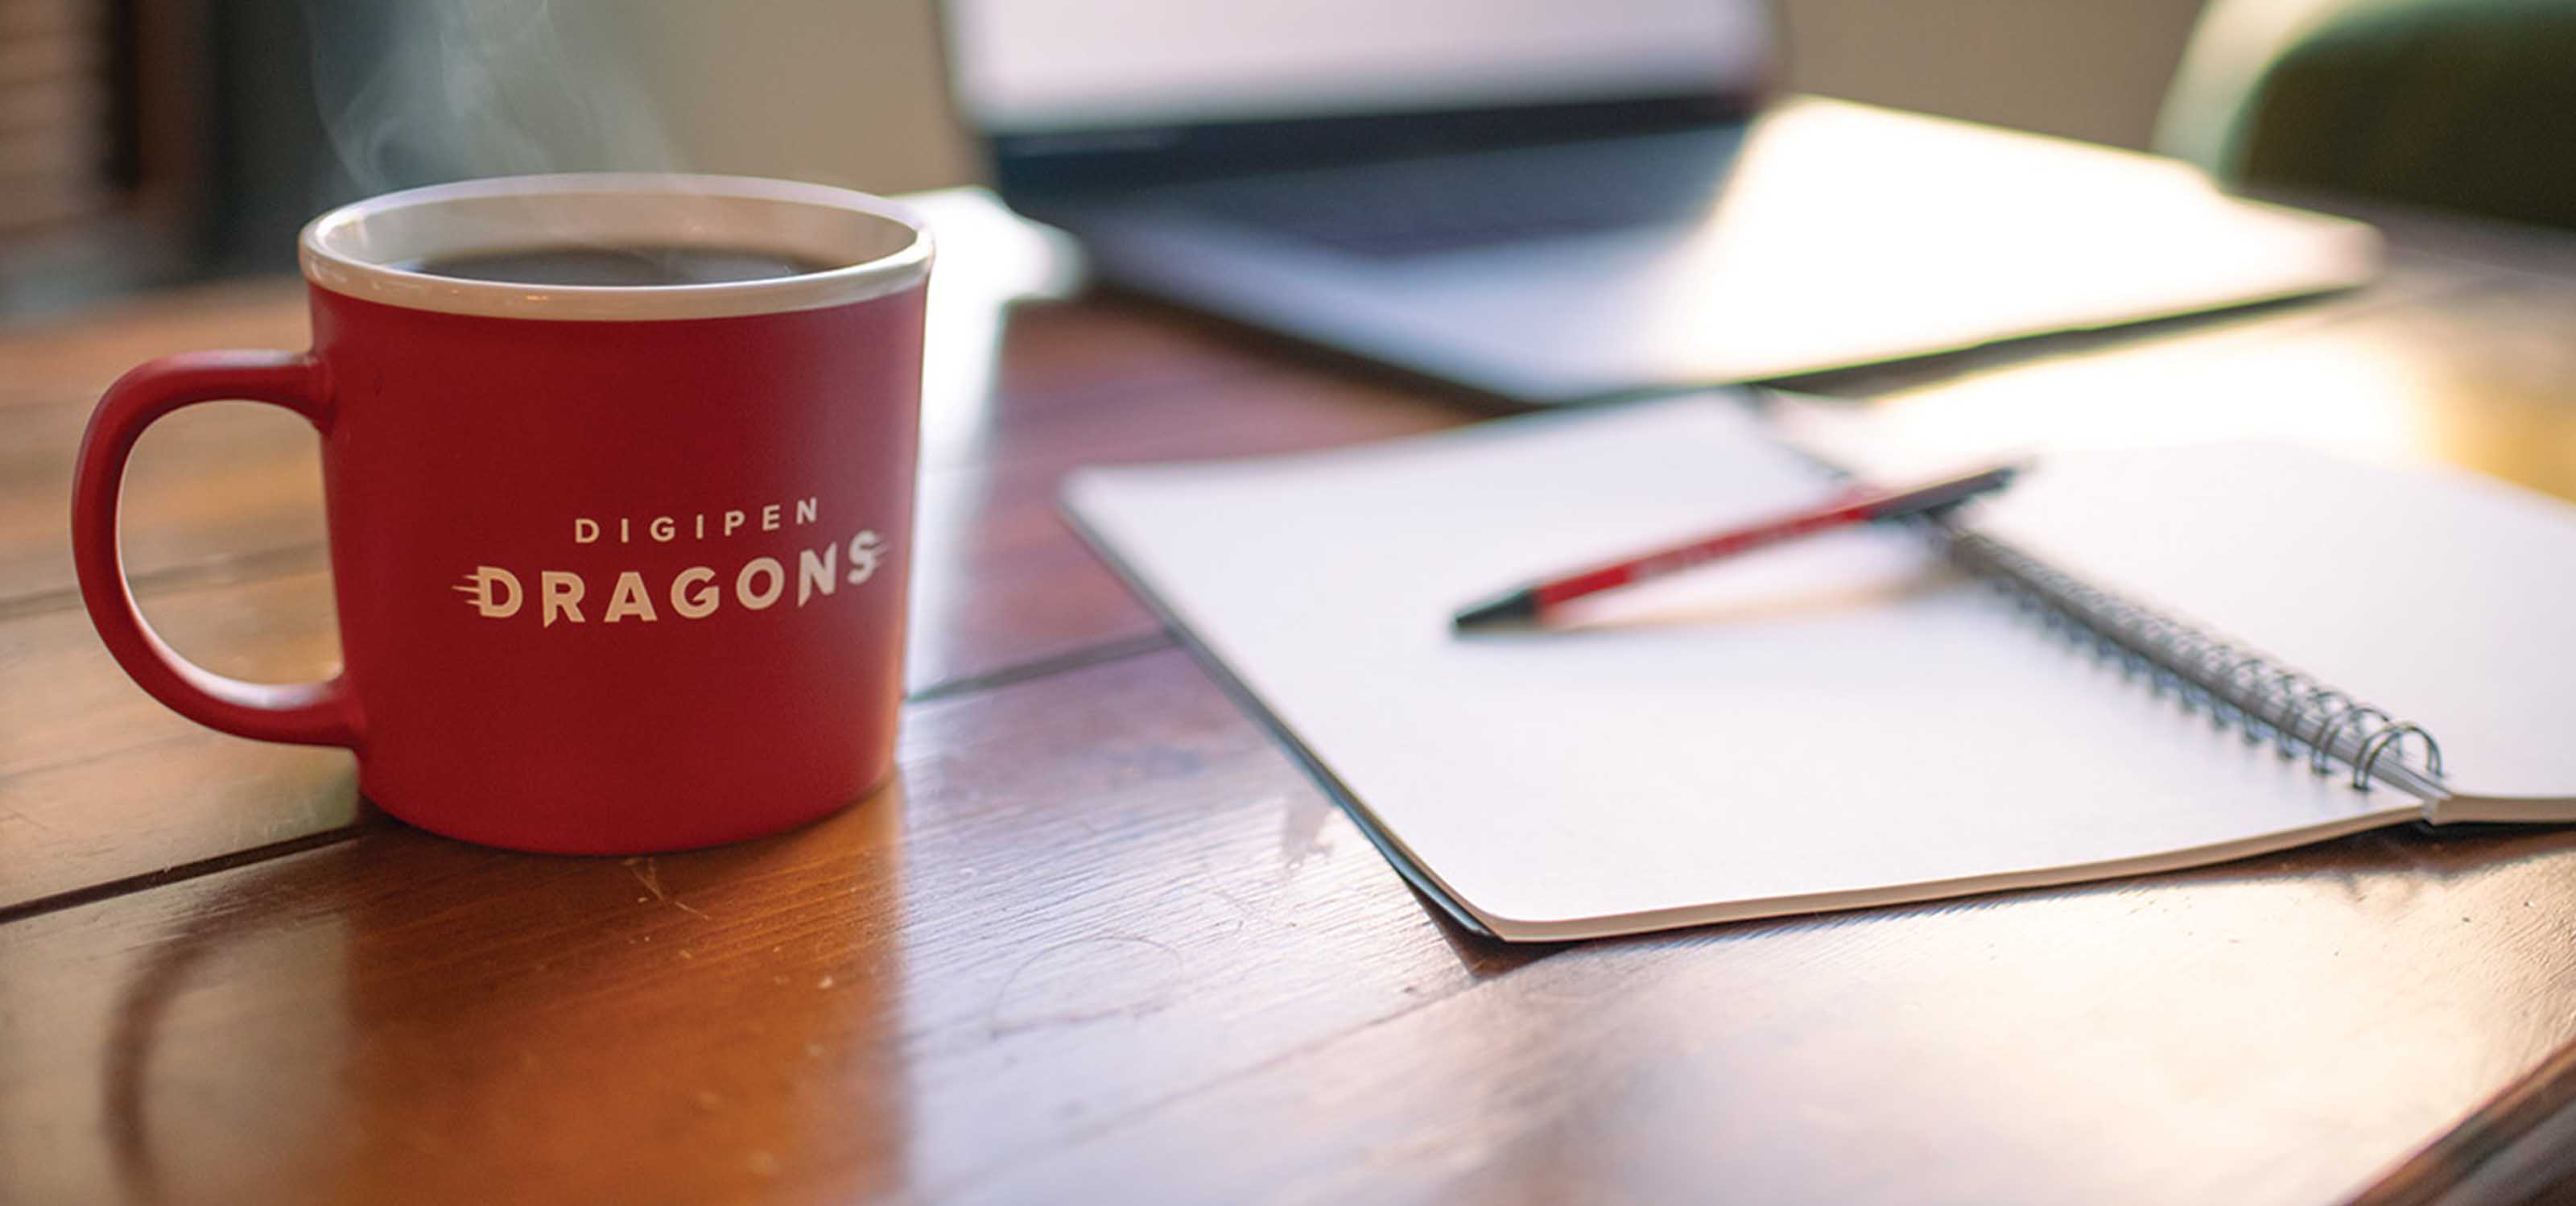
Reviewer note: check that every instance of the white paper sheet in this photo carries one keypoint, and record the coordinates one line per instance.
(2445, 598)
(1837, 723)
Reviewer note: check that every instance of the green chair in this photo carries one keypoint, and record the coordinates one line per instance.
(2466, 105)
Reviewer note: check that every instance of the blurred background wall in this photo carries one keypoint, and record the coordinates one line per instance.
(851, 90)
(150, 140)
(2090, 69)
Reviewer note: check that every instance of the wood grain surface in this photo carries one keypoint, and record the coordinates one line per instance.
(1104, 937)
(223, 535)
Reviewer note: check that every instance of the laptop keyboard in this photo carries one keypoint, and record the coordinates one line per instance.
(1456, 203)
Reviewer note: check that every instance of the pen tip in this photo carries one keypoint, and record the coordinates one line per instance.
(1518, 607)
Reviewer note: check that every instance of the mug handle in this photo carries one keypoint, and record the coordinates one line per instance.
(317, 713)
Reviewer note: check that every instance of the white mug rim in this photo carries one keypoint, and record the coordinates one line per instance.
(325, 250)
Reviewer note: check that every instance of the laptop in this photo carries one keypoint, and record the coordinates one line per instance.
(1554, 202)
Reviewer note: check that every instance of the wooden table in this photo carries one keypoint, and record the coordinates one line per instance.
(1104, 937)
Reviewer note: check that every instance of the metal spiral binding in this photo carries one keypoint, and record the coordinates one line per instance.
(2234, 685)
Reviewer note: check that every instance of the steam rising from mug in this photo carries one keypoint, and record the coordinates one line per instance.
(462, 88)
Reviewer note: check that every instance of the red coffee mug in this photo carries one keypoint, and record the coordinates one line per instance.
(619, 569)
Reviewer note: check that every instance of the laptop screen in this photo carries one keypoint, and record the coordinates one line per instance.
(1057, 66)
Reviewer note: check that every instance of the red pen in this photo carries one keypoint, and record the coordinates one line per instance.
(1531, 603)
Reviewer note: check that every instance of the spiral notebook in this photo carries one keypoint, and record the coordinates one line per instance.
(2132, 661)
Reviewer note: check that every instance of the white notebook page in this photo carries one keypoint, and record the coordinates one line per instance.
(2445, 598)
(1837, 723)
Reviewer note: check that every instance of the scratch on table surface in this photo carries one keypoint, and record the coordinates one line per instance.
(649, 873)
(1240, 905)
(20, 816)
(1086, 980)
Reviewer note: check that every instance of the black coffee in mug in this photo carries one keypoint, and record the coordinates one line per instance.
(631, 267)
